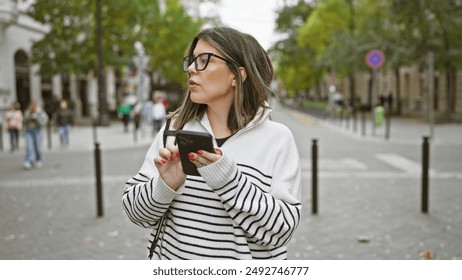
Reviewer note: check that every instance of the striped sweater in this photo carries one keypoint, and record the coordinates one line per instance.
(244, 206)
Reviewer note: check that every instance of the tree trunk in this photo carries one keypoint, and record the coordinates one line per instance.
(398, 92)
(449, 93)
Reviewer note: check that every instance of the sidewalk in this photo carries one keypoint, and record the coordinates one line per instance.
(83, 138)
(109, 137)
(402, 130)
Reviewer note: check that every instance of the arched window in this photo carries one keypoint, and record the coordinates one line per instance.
(21, 65)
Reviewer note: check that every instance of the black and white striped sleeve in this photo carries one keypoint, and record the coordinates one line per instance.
(146, 197)
(266, 206)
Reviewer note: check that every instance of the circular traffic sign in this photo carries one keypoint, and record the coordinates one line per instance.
(375, 59)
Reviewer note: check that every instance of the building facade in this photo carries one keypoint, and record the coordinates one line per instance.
(409, 91)
(18, 79)
(21, 82)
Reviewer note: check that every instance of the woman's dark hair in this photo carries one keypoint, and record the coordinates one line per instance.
(241, 50)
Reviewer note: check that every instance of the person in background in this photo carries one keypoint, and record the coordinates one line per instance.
(147, 109)
(64, 121)
(246, 202)
(158, 114)
(124, 112)
(34, 119)
(137, 115)
(14, 120)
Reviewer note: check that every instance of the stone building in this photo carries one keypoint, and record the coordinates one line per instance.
(18, 79)
(21, 82)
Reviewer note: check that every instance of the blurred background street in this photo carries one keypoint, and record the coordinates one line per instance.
(368, 202)
(368, 80)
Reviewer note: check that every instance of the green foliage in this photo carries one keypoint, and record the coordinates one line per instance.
(63, 48)
(338, 33)
(166, 43)
(328, 17)
(431, 25)
(70, 46)
(315, 104)
(296, 66)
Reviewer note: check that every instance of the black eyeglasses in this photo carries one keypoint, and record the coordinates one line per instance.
(200, 62)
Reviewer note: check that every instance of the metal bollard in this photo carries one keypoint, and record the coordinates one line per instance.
(99, 183)
(425, 167)
(98, 172)
(387, 124)
(1, 136)
(363, 123)
(314, 176)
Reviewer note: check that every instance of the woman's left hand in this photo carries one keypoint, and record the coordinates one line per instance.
(203, 158)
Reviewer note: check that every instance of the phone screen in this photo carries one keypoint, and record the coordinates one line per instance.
(192, 141)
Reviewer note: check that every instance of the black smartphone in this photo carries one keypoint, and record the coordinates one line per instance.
(192, 141)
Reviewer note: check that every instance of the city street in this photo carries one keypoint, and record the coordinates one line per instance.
(369, 195)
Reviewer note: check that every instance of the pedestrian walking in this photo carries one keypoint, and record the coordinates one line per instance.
(64, 122)
(147, 112)
(34, 119)
(137, 114)
(246, 202)
(124, 112)
(158, 113)
(14, 120)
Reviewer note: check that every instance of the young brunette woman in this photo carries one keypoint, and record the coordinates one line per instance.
(246, 203)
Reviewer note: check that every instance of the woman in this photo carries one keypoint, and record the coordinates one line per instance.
(64, 121)
(34, 119)
(14, 125)
(246, 203)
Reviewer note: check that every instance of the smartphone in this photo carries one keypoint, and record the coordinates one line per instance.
(192, 141)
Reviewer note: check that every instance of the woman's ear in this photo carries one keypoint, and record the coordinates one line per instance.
(243, 75)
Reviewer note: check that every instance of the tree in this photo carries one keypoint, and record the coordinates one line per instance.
(167, 38)
(296, 66)
(433, 26)
(69, 47)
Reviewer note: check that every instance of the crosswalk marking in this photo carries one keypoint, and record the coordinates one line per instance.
(397, 161)
(336, 164)
(400, 162)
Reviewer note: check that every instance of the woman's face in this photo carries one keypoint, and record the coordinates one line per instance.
(215, 84)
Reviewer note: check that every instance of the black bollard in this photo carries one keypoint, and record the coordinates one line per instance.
(99, 183)
(98, 173)
(387, 124)
(314, 176)
(355, 120)
(1, 136)
(363, 123)
(425, 167)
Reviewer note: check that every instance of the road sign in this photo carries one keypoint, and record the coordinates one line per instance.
(375, 59)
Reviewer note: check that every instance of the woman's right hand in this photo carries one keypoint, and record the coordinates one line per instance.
(169, 165)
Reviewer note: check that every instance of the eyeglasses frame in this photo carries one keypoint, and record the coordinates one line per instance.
(194, 60)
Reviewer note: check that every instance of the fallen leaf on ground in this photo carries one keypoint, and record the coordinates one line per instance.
(363, 239)
(88, 239)
(427, 255)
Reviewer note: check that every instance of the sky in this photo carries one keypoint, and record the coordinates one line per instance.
(256, 17)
